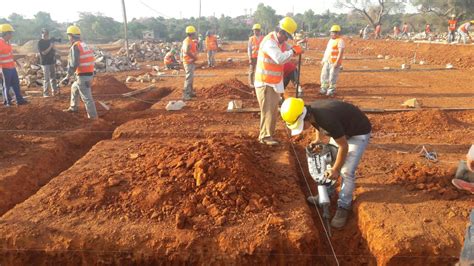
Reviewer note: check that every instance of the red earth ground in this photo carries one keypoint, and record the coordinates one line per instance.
(194, 186)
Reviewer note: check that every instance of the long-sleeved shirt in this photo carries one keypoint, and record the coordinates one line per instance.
(73, 61)
(273, 50)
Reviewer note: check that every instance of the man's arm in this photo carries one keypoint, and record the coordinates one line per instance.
(341, 157)
(74, 60)
(249, 50)
(272, 50)
(339, 57)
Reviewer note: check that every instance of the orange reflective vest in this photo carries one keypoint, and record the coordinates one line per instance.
(463, 27)
(255, 42)
(335, 50)
(267, 70)
(211, 43)
(190, 44)
(452, 24)
(428, 29)
(86, 58)
(169, 58)
(6, 55)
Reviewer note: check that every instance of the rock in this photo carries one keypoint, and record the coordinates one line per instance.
(113, 181)
(221, 220)
(420, 186)
(180, 220)
(451, 214)
(133, 156)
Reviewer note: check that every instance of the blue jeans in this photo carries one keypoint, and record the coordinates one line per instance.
(11, 81)
(357, 145)
(467, 253)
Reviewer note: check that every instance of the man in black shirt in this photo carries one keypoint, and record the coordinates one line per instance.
(349, 129)
(47, 61)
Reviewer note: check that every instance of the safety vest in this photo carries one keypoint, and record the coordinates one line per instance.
(86, 58)
(267, 70)
(335, 50)
(6, 55)
(452, 24)
(211, 43)
(255, 41)
(463, 27)
(428, 29)
(168, 58)
(188, 42)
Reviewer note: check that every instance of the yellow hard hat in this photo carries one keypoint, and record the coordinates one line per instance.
(289, 25)
(472, 21)
(190, 29)
(74, 30)
(293, 112)
(335, 28)
(257, 27)
(6, 28)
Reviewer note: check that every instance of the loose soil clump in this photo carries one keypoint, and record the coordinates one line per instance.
(232, 89)
(108, 85)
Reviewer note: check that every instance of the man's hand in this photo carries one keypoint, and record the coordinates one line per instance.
(297, 50)
(332, 174)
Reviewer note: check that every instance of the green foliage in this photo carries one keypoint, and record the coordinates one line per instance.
(463, 9)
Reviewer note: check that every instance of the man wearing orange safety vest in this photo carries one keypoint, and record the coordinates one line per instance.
(252, 51)
(463, 31)
(332, 61)
(452, 26)
(189, 53)
(396, 32)
(378, 31)
(81, 64)
(274, 52)
(211, 47)
(170, 60)
(8, 67)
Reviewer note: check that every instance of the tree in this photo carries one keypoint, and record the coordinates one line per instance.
(444, 8)
(98, 27)
(266, 16)
(373, 10)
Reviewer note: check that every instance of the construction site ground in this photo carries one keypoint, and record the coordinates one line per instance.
(143, 185)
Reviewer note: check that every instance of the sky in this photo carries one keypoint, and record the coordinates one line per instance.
(67, 10)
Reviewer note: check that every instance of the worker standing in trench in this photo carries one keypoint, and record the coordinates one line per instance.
(273, 54)
(81, 63)
(8, 67)
(348, 128)
(189, 53)
(252, 51)
(332, 61)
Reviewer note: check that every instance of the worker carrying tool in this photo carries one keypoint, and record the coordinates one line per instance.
(452, 26)
(332, 62)
(81, 63)
(170, 60)
(252, 51)
(189, 54)
(273, 54)
(211, 47)
(463, 31)
(349, 129)
(8, 70)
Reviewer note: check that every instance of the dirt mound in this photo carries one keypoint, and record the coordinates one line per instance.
(415, 121)
(35, 117)
(426, 177)
(108, 85)
(232, 88)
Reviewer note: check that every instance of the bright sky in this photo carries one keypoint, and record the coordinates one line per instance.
(67, 10)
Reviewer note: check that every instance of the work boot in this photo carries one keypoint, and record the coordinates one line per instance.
(463, 185)
(323, 91)
(313, 200)
(331, 92)
(70, 110)
(340, 218)
(269, 141)
(22, 102)
(186, 98)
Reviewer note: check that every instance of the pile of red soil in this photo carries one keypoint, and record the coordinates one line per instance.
(415, 121)
(233, 89)
(108, 85)
(426, 177)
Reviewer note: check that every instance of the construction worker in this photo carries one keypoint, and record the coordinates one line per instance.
(348, 128)
(252, 51)
(396, 32)
(47, 55)
(8, 67)
(365, 32)
(463, 31)
(405, 30)
(452, 26)
(378, 31)
(332, 61)
(170, 60)
(273, 54)
(464, 177)
(189, 53)
(211, 47)
(81, 64)
(428, 31)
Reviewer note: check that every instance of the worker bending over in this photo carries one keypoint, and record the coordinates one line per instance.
(463, 31)
(170, 60)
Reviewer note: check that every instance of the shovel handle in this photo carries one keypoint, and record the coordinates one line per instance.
(299, 75)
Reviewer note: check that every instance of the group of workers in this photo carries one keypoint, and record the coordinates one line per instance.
(80, 64)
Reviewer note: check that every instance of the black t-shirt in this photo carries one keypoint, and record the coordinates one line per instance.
(336, 118)
(47, 59)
